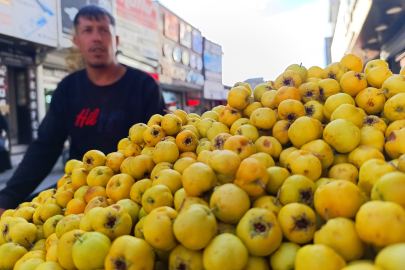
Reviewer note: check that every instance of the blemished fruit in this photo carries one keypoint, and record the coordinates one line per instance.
(315, 158)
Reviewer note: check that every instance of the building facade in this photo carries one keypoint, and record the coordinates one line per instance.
(370, 30)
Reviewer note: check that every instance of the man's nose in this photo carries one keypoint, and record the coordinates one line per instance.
(96, 35)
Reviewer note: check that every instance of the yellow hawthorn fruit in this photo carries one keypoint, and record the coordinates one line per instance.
(339, 198)
(69, 166)
(211, 115)
(155, 119)
(391, 257)
(191, 128)
(141, 167)
(342, 135)
(371, 136)
(193, 122)
(195, 226)
(157, 196)
(153, 134)
(218, 142)
(371, 100)
(95, 191)
(390, 187)
(375, 63)
(328, 88)
(280, 131)
(165, 152)
(158, 228)
(252, 107)
(114, 161)
(334, 71)
(225, 162)
(225, 251)
(99, 176)
(340, 234)
(265, 159)
(260, 231)
(344, 171)
(182, 115)
(290, 110)
(348, 112)
(285, 93)
(229, 203)
(396, 125)
(322, 151)
(376, 122)
(362, 153)
(268, 99)
(92, 159)
(333, 102)
(216, 129)
(315, 72)
(300, 70)
(118, 188)
(181, 256)
(394, 108)
(263, 118)
(241, 146)
(198, 178)
(182, 164)
(248, 131)
(376, 76)
(277, 177)
(136, 133)
(138, 189)
(132, 150)
(171, 124)
(284, 256)
(304, 130)
(269, 145)
(204, 125)
(371, 171)
(259, 90)
(113, 221)
(352, 83)
(309, 91)
(381, 223)
(320, 257)
(304, 163)
(288, 78)
(169, 178)
(393, 85)
(238, 123)
(252, 176)
(297, 222)
(238, 97)
(297, 188)
(122, 144)
(352, 62)
(131, 251)
(244, 84)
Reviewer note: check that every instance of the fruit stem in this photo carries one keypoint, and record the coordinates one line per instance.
(79, 238)
(300, 64)
(182, 204)
(326, 214)
(29, 242)
(278, 195)
(317, 155)
(166, 111)
(383, 92)
(215, 208)
(261, 184)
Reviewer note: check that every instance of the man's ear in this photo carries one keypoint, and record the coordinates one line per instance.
(117, 40)
(76, 42)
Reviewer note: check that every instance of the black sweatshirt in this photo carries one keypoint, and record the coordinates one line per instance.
(95, 117)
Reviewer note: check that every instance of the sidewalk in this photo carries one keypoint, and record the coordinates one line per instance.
(56, 173)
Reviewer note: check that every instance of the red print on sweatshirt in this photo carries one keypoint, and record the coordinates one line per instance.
(86, 117)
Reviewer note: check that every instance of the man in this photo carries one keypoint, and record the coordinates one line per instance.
(95, 107)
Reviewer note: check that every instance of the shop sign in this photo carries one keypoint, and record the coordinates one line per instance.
(33, 102)
(185, 34)
(69, 9)
(30, 20)
(3, 88)
(137, 27)
(213, 88)
(171, 26)
(197, 41)
(181, 74)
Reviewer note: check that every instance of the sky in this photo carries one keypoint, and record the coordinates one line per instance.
(260, 38)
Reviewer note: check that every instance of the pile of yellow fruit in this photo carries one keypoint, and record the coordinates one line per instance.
(305, 172)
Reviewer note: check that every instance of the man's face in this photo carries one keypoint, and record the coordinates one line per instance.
(96, 40)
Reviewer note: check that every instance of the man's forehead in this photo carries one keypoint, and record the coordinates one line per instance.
(93, 20)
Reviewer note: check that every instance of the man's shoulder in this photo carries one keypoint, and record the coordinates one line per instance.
(140, 76)
(72, 78)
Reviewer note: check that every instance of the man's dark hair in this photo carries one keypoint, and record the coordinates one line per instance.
(91, 12)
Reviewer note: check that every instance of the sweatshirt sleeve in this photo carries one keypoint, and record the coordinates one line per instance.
(40, 157)
(153, 99)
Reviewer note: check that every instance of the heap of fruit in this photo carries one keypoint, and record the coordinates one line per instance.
(304, 172)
